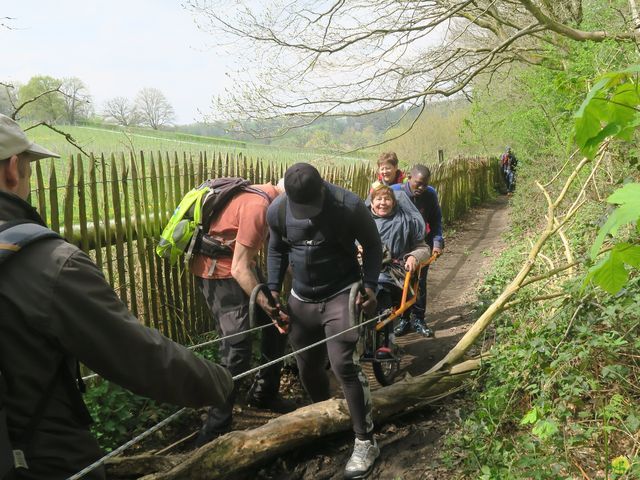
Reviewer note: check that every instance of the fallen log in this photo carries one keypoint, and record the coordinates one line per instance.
(229, 455)
(138, 465)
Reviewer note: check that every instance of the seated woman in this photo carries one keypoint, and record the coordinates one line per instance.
(401, 230)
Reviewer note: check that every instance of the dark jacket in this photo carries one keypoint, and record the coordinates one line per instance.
(322, 251)
(429, 207)
(57, 307)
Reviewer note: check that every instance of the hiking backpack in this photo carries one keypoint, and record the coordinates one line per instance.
(186, 232)
(14, 236)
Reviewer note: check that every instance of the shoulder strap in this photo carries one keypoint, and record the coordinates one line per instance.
(17, 234)
(282, 215)
(344, 223)
(221, 191)
(14, 236)
(282, 218)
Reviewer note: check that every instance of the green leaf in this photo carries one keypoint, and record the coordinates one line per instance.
(530, 417)
(631, 69)
(545, 429)
(611, 102)
(629, 129)
(595, 90)
(591, 146)
(629, 194)
(628, 197)
(629, 254)
(587, 126)
(620, 465)
(609, 274)
(622, 107)
(632, 422)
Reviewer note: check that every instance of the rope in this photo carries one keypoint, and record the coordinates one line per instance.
(204, 344)
(175, 415)
(308, 347)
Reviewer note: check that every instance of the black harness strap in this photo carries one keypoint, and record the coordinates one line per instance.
(14, 236)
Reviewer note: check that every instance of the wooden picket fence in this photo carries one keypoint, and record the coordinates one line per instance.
(115, 208)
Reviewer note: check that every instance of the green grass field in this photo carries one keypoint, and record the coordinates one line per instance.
(107, 140)
(114, 141)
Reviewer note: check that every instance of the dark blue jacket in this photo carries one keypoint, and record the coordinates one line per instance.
(429, 207)
(322, 251)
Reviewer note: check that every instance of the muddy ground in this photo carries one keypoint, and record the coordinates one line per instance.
(410, 442)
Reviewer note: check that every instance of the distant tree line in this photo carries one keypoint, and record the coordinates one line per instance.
(68, 101)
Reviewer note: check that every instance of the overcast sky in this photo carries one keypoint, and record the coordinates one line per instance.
(116, 47)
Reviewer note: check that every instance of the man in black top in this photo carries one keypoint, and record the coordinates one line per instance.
(313, 229)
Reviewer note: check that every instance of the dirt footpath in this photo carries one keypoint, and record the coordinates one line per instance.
(408, 443)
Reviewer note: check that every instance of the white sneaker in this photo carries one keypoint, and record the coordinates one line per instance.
(362, 459)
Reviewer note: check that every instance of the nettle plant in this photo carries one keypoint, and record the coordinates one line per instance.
(612, 110)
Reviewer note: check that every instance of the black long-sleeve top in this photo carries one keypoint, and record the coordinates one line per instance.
(322, 251)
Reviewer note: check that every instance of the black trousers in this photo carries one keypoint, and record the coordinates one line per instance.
(312, 322)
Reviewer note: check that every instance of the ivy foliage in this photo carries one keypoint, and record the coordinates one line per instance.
(559, 398)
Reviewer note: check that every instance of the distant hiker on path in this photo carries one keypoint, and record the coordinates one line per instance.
(425, 198)
(313, 229)
(227, 283)
(57, 309)
(508, 163)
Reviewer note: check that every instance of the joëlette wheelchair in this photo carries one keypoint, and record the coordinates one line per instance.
(377, 340)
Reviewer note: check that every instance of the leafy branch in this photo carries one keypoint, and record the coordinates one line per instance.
(611, 111)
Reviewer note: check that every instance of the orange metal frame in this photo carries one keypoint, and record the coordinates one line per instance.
(407, 303)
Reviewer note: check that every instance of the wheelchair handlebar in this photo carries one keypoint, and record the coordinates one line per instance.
(406, 303)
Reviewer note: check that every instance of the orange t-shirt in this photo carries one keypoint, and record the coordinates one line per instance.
(245, 219)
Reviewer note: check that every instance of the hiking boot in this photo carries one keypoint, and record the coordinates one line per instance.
(402, 327)
(218, 422)
(421, 328)
(276, 404)
(362, 459)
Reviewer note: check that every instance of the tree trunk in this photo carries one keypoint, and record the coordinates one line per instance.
(233, 453)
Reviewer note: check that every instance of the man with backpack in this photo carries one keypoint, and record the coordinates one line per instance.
(313, 229)
(226, 283)
(57, 309)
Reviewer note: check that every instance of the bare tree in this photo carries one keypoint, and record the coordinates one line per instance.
(337, 57)
(77, 101)
(121, 111)
(154, 108)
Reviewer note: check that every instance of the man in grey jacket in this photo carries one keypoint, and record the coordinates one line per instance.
(56, 309)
